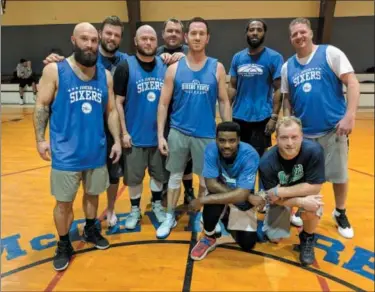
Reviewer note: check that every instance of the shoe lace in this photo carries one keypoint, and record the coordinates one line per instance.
(309, 244)
(204, 242)
(63, 248)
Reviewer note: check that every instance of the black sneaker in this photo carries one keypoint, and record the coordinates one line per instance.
(343, 224)
(189, 196)
(63, 254)
(307, 254)
(94, 236)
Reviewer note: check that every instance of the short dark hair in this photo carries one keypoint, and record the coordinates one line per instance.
(23, 60)
(256, 19)
(228, 127)
(112, 20)
(197, 19)
(174, 20)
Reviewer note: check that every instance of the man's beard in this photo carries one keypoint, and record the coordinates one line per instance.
(81, 57)
(105, 48)
(255, 45)
(143, 53)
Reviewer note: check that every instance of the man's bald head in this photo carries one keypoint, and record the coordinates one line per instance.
(84, 27)
(85, 41)
(145, 29)
(146, 40)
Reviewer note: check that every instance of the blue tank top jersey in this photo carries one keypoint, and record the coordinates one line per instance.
(194, 99)
(141, 103)
(316, 94)
(77, 135)
(110, 63)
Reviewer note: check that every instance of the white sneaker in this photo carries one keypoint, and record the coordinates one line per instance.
(22, 101)
(342, 222)
(111, 219)
(133, 218)
(159, 212)
(296, 220)
(166, 227)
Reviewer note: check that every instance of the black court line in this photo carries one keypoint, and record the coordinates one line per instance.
(259, 253)
(25, 170)
(189, 265)
(362, 172)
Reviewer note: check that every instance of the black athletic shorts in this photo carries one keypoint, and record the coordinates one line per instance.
(253, 134)
(29, 81)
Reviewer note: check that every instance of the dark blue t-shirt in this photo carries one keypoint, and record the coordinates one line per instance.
(307, 167)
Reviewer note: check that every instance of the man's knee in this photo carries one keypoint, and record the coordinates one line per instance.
(246, 240)
(175, 180)
(63, 207)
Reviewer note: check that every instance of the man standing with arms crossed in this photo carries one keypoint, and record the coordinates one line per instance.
(194, 84)
(312, 86)
(78, 93)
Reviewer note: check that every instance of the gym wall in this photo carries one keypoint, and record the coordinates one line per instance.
(30, 29)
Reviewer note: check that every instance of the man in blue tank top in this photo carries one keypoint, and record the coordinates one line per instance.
(229, 170)
(137, 85)
(173, 50)
(194, 84)
(255, 87)
(312, 83)
(74, 95)
(110, 34)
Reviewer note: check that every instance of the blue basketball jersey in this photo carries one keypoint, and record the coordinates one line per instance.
(316, 93)
(194, 99)
(141, 103)
(110, 63)
(255, 75)
(77, 135)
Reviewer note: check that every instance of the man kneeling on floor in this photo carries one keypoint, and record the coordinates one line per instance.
(230, 168)
(292, 172)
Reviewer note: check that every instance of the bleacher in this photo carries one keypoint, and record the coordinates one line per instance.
(10, 93)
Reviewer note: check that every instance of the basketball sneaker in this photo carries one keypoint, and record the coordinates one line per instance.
(202, 248)
(133, 218)
(343, 224)
(159, 212)
(307, 254)
(63, 254)
(166, 227)
(296, 219)
(93, 235)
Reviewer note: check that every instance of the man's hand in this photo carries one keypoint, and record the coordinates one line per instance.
(272, 196)
(257, 201)
(115, 152)
(166, 57)
(270, 127)
(53, 58)
(345, 126)
(163, 146)
(126, 141)
(175, 57)
(44, 150)
(195, 205)
(311, 203)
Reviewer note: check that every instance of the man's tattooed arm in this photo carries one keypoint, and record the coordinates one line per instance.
(41, 117)
(46, 92)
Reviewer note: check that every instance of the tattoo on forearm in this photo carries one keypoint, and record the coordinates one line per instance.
(41, 117)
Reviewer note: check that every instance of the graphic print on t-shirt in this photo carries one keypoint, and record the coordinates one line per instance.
(250, 70)
(287, 179)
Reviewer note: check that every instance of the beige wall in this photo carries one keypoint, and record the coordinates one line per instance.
(184, 10)
(354, 8)
(61, 12)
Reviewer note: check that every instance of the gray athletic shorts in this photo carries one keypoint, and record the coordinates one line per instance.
(277, 221)
(336, 156)
(65, 184)
(181, 148)
(137, 159)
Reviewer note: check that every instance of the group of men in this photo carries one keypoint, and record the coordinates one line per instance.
(113, 115)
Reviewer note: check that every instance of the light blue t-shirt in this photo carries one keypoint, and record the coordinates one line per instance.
(255, 75)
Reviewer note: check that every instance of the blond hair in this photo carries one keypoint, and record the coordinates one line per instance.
(288, 121)
(300, 20)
